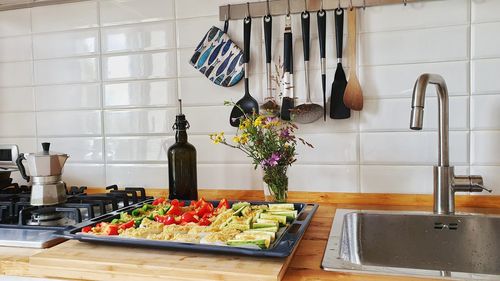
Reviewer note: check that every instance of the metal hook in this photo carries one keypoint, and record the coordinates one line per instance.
(228, 13)
(322, 5)
(288, 8)
(305, 13)
(338, 7)
(405, 2)
(364, 4)
(248, 9)
(351, 6)
(267, 9)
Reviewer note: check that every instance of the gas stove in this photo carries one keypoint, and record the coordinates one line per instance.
(24, 225)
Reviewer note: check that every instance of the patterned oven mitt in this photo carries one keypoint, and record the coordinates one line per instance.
(219, 58)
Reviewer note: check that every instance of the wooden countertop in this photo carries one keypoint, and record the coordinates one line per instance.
(305, 264)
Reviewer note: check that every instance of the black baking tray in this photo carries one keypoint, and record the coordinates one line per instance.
(286, 240)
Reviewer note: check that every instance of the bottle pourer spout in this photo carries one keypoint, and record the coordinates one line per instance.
(46, 147)
(180, 106)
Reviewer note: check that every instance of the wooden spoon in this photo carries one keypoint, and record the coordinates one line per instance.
(353, 96)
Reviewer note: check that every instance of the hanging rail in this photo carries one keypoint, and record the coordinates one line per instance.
(6, 5)
(280, 7)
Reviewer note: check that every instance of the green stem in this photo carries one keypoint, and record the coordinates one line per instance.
(277, 182)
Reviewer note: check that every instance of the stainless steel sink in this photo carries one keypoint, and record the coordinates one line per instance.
(442, 243)
(415, 243)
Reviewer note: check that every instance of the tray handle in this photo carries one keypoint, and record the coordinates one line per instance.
(295, 232)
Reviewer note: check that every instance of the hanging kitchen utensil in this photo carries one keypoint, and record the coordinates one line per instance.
(247, 104)
(288, 99)
(270, 105)
(321, 17)
(353, 96)
(307, 112)
(338, 110)
(219, 58)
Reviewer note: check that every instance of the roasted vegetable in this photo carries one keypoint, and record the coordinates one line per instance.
(239, 225)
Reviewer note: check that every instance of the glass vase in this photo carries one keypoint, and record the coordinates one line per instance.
(275, 183)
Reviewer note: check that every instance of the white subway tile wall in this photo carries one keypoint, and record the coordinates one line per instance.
(100, 80)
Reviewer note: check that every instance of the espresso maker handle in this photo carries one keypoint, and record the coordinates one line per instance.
(19, 162)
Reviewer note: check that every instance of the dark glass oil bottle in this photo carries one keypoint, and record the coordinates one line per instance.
(182, 178)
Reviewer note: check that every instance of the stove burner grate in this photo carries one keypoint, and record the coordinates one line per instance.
(47, 216)
(15, 207)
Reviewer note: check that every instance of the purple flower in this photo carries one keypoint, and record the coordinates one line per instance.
(271, 161)
(285, 133)
(271, 119)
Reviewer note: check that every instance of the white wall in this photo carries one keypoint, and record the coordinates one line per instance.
(99, 79)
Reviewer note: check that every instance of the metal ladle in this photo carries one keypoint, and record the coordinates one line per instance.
(307, 112)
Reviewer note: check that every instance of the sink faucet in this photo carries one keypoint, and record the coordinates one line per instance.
(446, 183)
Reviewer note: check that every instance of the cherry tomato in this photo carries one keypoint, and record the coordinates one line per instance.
(112, 229)
(87, 229)
(223, 203)
(189, 217)
(174, 210)
(174, 202)
(127, 224)
(204, 222)
(158, 201)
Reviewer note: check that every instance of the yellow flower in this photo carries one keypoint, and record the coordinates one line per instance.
(243, 139)
(267, 125)
(244, 124)
(257, 122)
(217, 138)
(274, 123)
(236, 139)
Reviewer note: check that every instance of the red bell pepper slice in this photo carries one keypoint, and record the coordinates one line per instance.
(166, 220)
(174, 210)
(158, 201)
(87, 229)
(188, 217)
(223, 203)
(204, 222)
(206, 207)
(127, 224)
(112, 229)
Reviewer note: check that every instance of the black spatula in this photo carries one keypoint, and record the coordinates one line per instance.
(338, 110)
(288, 102)
(247, 104)
(322, 46)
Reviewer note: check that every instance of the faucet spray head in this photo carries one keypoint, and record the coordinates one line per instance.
(417, 102)
(417, 118)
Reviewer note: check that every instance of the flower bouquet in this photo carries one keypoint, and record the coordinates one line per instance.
(271, 144)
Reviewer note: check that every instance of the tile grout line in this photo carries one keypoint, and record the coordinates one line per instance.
(357, 66)
(177, 86)
(33, 78)
(469, 43)
(101, 86)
